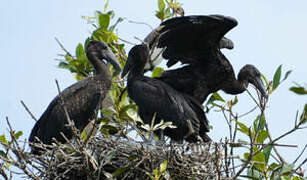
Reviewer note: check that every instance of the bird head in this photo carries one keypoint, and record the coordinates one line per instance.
(252, 75)
(137, 58)
(97, 49)
(226, 43)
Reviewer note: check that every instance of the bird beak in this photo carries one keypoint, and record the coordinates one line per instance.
(127, 67)
(260, 86)
(110, 57)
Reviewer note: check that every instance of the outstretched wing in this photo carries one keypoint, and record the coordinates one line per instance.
(188, 38)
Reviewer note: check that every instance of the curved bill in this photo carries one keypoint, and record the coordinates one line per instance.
(260, 86)
(126, 67)
(110, 57)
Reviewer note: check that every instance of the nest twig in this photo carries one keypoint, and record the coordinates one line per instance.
(118, 158)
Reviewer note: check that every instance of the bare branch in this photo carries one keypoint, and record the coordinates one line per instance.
(144, 23)
(250, 156)
(27, 109)
(298, 157)
(62, 47)
(125, 41)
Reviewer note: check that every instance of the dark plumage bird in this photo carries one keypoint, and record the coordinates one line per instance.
(153, 96)
(81, 99)
(196, 41)
(156, 52)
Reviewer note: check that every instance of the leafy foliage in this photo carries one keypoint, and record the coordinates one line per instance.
(167, 9)
(258, 158)
(299, 89)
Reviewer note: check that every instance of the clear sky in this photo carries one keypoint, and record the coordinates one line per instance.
(269, 33)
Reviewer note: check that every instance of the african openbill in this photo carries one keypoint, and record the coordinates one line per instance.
(81, 99)
(156, 99)
(196, 41)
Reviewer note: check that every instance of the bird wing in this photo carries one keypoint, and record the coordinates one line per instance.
(53, 120)
(198, 109)
(190, 37)
(156, 96)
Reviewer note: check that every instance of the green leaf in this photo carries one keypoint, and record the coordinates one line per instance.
(120, 170)
(104, 21)
(276, 78)
(107, 112)
(167, 13)
(267, 152)
(111, 14)
(254, 174)
(262, 135)
(287, 74)
(64, 65)
(245, 155)
(3, 139)
(112, 28)
(123, 111)
(123, 98)
(259, 161)
(83, 134)
(87, 41)
(106, 6)
(287, 169)
(297, 178)
(150, 176)
(303, 118)
(299, 90)
(68, 58)
(160, 15)
(235, 101)
(274, 166)
(261, 124)
(161, 5)
(121, 46)
(235, 145)
(109, 129)
(2, 153)
(243, 128)
(215, 97)
(79, 50)
(163, 166)
(157, 72)
(157, 174)
(18, 134)
(265, 80)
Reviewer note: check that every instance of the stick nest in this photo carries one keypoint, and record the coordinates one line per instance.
(118, 158)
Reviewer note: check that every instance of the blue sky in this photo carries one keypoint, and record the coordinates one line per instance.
(269, 33)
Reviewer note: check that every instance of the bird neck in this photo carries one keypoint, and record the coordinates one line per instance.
(101, 69)
(237, 86)
(137, 71)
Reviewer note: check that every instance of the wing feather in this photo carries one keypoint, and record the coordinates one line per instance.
(186, 38)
